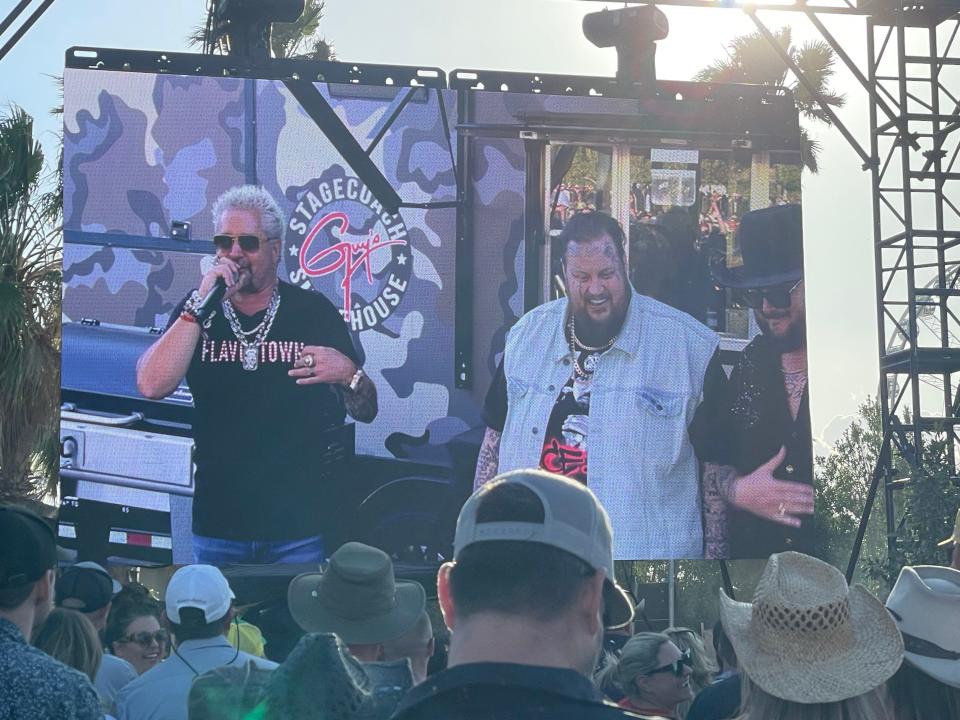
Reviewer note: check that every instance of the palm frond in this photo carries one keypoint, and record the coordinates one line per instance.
(30, 274)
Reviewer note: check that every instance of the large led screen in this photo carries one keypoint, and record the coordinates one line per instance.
(560, 282)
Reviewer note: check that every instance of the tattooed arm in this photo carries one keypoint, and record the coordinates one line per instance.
(362, 402)
(717, 487)
(488, 461)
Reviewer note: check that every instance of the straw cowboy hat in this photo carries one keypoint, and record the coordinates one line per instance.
(925, 602)
(356, 597)
(807, 637)
(955, 538)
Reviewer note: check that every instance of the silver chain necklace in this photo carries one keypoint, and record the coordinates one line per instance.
(251, 348)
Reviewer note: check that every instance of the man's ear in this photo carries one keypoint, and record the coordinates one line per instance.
(590, 602)
(43, 588)
(445, 596)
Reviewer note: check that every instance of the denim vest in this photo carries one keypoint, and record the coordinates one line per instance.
(644, 394)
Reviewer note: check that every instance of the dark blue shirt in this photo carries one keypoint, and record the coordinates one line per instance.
(506, 691)
(34, 686)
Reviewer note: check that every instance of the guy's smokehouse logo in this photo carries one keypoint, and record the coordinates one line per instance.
(339, 229)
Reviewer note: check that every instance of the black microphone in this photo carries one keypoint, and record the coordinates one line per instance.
(207, 307)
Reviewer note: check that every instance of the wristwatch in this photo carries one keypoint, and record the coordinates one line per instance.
(355, 380)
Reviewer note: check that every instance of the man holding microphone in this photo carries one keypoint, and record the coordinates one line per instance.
(269, 366)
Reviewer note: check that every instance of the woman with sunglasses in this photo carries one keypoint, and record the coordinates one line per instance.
(653, 674)
(134, 634)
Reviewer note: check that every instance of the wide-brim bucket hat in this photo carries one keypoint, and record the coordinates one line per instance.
(356, 597)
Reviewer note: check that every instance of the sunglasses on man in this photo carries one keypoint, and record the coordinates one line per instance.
(145, 639)
(248, 243)
(676, 667)
(777, 295)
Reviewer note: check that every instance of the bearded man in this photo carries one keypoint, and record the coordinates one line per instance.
(616, 377)
(759, 486)
(270, 369)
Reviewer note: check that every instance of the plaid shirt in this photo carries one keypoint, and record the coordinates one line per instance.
(645, 393)
(34, 686)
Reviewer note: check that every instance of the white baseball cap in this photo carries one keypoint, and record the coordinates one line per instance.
(574, 521)
(198, 586)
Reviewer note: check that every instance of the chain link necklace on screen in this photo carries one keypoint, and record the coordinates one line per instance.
(250, 355)
(593, 353)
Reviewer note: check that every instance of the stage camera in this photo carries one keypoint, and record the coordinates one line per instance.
(633, 31)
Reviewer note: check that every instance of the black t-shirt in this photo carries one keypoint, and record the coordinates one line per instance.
(254, 430)
(507, 691)
(565, 443)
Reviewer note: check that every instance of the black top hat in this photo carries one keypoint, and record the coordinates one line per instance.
(771, 245)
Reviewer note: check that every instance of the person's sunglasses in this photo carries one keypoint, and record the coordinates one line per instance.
(778, 295)
(145, 639)
(676, 667)
(248, 243)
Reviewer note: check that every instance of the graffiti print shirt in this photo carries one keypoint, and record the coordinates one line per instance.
(34, 686)
(645, 393)
(256, 431)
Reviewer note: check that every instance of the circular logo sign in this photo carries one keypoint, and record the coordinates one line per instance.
(341, 242)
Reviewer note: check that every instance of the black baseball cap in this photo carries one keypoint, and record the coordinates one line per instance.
(28, 547)
(86, 587)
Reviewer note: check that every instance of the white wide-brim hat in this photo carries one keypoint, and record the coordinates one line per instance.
(808, 637)
(925, 602)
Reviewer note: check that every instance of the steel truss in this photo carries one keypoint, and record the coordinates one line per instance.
(913, 88)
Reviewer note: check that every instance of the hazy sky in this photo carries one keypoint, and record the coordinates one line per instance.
(545, 36)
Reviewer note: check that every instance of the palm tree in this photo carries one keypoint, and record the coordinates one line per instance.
(30, 276)
(299, 39)
(751, 59)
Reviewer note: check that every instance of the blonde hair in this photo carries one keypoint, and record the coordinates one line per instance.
(702, 668)
(759, 705)
(255, 199)
(69, 636)
(638, 657)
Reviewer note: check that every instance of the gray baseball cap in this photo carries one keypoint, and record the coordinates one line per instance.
(574, 521)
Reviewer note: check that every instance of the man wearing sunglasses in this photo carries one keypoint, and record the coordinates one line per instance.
(269, 370)
(758, 489)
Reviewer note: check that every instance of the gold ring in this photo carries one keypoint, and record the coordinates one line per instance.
(308, 361)
(782, 510)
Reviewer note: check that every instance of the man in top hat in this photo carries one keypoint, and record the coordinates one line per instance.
(758, 486)
(358, 599)
(88, 588)
(527, 598)
(198, 607)
(608, 387)
(33, 686)
(953, 542)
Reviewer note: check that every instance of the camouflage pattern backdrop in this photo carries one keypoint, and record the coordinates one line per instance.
(142, 151)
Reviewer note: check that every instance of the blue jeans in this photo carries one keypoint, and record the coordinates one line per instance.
(219, 551)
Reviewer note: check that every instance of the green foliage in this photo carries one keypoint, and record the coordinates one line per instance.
(30, 279)
(299, 39)
(752, 59)
(926, 507)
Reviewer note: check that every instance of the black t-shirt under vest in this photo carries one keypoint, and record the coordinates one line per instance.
(254, 430)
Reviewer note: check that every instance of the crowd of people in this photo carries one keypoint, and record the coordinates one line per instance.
(531, 604)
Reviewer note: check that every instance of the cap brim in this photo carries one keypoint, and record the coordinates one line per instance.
(818, 674)
(311, 616)
(618, 605)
